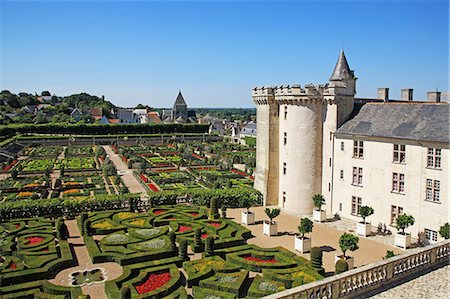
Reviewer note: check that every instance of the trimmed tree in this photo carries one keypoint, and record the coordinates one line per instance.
(365, 211)
(341, 266)
(172, 238)
(224, 211)
(183, 250)
(403, 222)
(348, 242)
(318, 201)
(125, 292)
(272, 213)
(83, 218)
(197, 240)
(87, 228)
(61, 229)
(316, 255)
(209, 248)
(214, 209)
(444, 231)
(306, 226)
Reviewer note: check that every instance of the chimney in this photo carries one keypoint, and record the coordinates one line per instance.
(383, 93)
(407, 94)
(434, 96)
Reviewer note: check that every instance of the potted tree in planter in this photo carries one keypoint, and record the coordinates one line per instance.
(402, 239)
(347, 242)
(302, 243)
(270, 227)
(247, 217)
(364, 228)
(444, 231)
(318, 214)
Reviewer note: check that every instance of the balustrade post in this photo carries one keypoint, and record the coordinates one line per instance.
(433, 255)
(389, 271)
(335, 289)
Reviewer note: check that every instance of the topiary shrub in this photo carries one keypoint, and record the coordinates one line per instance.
(125, 292)
(317, 259)
(403, 222)
(197, 240)
(224, 212)
(209, 248)
(348, 242)
(61, 229)
(341, 266)
(214, 210)
(83, 218)
(172, 238)
(87, 228)
(183, 250)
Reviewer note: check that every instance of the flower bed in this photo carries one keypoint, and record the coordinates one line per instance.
(152, 187)
(34, 240)
(255, 259)
(153, 282)
(184, 228)
(215, 224)
(8, 167)
(143, 178)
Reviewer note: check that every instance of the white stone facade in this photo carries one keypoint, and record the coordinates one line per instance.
(299, 154)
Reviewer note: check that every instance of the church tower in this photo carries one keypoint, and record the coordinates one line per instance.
(179, 110)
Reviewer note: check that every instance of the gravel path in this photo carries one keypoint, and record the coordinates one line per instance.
(433, 285)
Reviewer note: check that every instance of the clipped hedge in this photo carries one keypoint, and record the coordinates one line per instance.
(227, 282)
(262, 286)
(203, 293)
(101, 129)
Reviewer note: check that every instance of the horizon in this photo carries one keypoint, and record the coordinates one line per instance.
(144, 52)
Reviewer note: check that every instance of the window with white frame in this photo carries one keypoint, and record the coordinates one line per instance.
(399, 153)
(395, 212)
(284, 167)
(398, 182)
(433, 190)
(356, 205)
(284, 138)
(434, 158)
(357, 176)
(431, 235)
(358, 149)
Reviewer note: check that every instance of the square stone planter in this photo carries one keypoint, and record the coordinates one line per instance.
(350, 260)
(247, 218)
(270, 228)
(402, 240)
(363, 229)
(319, 216)
(302, 244)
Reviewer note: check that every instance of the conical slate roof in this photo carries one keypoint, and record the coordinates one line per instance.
(341, 70)
(180, 100)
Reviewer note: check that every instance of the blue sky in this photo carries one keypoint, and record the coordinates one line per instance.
(215, 52)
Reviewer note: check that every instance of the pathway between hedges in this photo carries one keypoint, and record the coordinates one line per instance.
(96, 290)
(133, 185)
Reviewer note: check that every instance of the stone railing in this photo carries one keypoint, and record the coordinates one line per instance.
(358, 281)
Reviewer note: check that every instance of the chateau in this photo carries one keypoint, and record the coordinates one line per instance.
(389, 154)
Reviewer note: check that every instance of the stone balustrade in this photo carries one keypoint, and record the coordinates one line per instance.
(361, 280)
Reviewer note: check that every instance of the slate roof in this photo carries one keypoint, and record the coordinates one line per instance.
(412, 121)
(249, 129)
(179, 100)
(341, 70)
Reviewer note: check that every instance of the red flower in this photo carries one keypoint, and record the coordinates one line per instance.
(172, 218)
(124, 159)
(194, 214)
(184, 228)
(157, 212)
(204, 236)
(34, 240)
(153, 282)
(255, 259)
(12, 265)
(114, 148)
(152, 187)
(143, 178)
(215, 224)
(17, 225)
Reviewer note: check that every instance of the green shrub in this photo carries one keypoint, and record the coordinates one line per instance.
(389, 254)
(306, 226)
(214, 208)
(125, 292)
(197, 241)
(209, 247)
(183, 249)
(404, 221)
(365, 211)
(87, 227)
(348, 242)
(444, 231)
(318, 201)
(172, 238)
(272, 213)
(317, 259)
(341, 266)
(224, 212)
